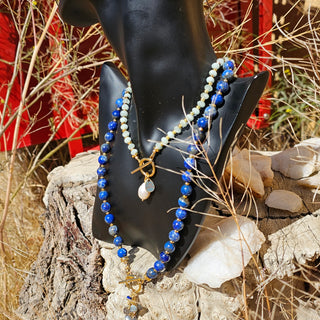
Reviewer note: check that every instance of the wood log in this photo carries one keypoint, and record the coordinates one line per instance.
(77, 277)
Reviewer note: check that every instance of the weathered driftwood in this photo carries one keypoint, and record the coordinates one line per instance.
(76, 277)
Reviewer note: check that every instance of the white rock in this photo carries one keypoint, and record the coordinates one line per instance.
(218, 255)
(300, 161)
(262, 164)
(284, 200)
(310, 182)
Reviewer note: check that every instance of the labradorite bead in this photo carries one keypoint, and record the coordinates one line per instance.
(186, 190)
(109, 218)
(152, 273)
(113, 230)
(117, 241)
(174, 236)
(181, 214)
(112, 125)
(169, 247)
(103, 159)
(177, 225)
(105, 206)
(164, 257)
(183, 202)
(103, 195)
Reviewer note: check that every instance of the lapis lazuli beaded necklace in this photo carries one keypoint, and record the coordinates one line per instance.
(120, 114)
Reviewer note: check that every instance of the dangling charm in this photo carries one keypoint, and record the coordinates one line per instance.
(145, 189)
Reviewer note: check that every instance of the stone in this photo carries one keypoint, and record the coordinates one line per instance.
(300, 161)
(244, 174)
(284, 200)
(262, 164)
(312, 182)
(297, 243)
(220, 252)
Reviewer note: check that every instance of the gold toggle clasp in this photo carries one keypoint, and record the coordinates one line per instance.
(134, 284)
(143, 163)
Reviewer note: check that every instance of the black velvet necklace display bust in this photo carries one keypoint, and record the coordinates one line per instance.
(166, 49)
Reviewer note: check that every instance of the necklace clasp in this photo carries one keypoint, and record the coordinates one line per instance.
(143, 163)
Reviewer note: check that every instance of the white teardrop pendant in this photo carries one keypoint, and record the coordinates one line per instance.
(145, 189)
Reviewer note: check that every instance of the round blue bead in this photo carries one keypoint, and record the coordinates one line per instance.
(211, 111)
(169, 247)
(164, 257)
(102, 171)
(113, 230)
(217, 99)
(109, 218)
(116, 114)
(112, 125)
(187, 176)
(152, 273)
(222, 86)
(186, 190)
(102, 183)
(109, 136)
(181, 213)
(122, 252)
(105, 147)
(105, 206)
(227, 74)
(103, 195)
(190, 163)
(199, 136)
(117, 241)
(228, 65)
(202, 122)
(119, 102)
(192, 149)
(103, 159)
(159, 266)
(174, 236)
(183, 202)
(177, 225)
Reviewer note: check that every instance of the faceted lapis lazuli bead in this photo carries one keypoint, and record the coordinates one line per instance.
(152, 273)
(116, 114)
(192, 149)
(177, 225)
(112, 125)
(181, 214)
(119, 102)
(109, 136)
(190, 163)
(103, 195)
(103, 159)
(169, 247)
(159, 266)
(113, 230)
(164, 257)
(102, 171)
(186, 190)
(202, 122)
(222, 86)
(117, 241)
(174, 236)
(187, 176)
(228, 65)
(211, 111)
(102, 183)
(217, 99)
(105, 147)
(227, 74)
(109, 218)
(105, 206)
(183, 202)
(122, 252)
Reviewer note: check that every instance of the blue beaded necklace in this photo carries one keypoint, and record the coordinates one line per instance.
(120, 114)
